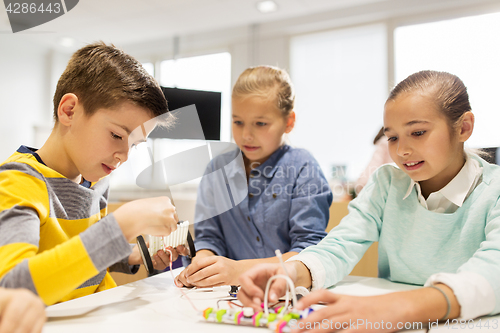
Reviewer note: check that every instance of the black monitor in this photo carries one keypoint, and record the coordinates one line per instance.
(208, 106)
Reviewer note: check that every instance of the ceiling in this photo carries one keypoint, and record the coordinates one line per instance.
(132, 21)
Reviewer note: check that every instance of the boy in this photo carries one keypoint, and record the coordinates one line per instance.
(51, 198)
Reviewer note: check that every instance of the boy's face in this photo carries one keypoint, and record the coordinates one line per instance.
(98, 144)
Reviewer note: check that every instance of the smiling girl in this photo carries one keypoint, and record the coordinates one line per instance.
(436, 218)
(288, 200)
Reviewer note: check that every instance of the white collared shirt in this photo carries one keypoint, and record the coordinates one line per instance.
(465, 285)
(452, 196)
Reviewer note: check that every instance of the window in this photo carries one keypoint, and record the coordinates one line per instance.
(467, 47)
(150, 68)
(341, 85)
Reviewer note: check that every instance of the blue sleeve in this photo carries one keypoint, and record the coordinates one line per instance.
(310, 207)
(209, 236)
(208, 231)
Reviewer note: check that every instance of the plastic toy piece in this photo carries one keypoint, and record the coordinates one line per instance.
(273, 321)
(274, 318)
(237, 318)
(256, 319)
(207, 312)
(234, 291)
(248, 312)
(219, 315)
(306, 312)
(287, 317)
(281, 325)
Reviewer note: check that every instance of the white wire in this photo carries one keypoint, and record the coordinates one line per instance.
(280, 257)
(289, 283)
(290, 286)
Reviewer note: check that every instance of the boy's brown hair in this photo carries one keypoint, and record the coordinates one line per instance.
(102, 76)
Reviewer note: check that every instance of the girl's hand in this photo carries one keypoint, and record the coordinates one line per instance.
(182, 250)
(210, 271)
(353, 314)
(161, 259)
(21, 311)
(254, 281)
(180, 280)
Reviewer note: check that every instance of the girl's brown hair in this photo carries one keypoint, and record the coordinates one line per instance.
(267, 82)
(446, 90)
(448, 93)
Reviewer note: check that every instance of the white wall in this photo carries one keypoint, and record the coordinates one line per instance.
(341, 84)
(249, 46)
(468, 47)
(25, 91)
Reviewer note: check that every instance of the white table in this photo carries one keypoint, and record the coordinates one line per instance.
(155, 304)
(361, 286)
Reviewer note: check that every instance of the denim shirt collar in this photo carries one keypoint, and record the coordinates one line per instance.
(233, 164)
(269, 167)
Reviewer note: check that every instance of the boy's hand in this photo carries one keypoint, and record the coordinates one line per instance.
(20, 311)
(210, 271)
(152, 216)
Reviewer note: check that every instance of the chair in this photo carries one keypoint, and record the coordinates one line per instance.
(367, 266)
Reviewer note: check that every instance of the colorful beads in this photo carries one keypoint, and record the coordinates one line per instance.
(287, 317)
(256, 318)
(280, 326)
(219, 315)
(207, 312)
(237, 317)
(306, 312)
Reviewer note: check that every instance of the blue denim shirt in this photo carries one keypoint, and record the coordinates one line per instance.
(287, 208)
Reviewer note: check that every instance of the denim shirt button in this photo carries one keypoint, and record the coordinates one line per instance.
(274, 195)
(250, 195)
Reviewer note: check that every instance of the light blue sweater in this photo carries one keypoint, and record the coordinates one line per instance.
(415, 243)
